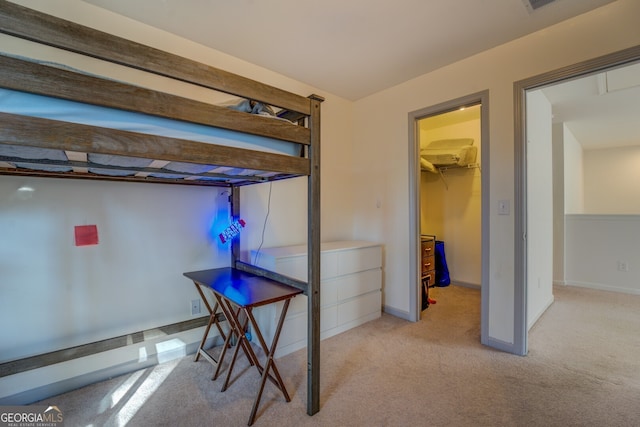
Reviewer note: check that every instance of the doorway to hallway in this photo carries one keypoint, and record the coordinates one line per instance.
(570, 194)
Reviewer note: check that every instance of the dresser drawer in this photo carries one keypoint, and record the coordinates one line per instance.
(428, 264)
(350, 290)
(428, 247)
(429, 278)
(427, 260)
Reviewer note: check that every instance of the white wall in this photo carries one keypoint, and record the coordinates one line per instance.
(452, 210)
(57, 295)
(539, 206)
(601, 184)
(381, 139)
(573, 173)
(611, 178)
(601, 242)
(602, 252)
(62, 295)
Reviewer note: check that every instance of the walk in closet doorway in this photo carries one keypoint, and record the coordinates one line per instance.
(449, 153)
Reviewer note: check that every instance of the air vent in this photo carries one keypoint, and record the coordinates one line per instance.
(533, 5)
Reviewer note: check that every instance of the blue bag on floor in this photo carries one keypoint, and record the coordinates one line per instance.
(442, 271)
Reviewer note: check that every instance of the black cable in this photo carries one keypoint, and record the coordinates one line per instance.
(264, 226)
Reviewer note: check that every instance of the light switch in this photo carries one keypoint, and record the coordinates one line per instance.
(503, 207)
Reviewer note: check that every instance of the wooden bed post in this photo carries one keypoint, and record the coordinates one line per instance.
(234, 200)
(313, 242)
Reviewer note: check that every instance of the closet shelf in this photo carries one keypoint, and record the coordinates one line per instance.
(443, 169)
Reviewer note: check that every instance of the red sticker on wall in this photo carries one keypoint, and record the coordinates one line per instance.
(86, 235)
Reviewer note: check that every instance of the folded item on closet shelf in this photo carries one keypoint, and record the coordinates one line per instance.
(450, 152)
(426, 165)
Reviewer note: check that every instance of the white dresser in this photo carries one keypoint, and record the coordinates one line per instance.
(350, 290)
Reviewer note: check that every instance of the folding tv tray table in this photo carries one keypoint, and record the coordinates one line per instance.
(236, 293)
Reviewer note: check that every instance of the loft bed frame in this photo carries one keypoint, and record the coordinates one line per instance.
(228, 166)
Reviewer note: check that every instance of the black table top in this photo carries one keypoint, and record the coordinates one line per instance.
(242, 288)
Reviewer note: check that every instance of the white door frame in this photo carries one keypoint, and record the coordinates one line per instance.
(414, 199)
(581, 69)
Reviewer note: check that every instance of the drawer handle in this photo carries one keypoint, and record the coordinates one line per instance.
(427, 265)
(427, 249)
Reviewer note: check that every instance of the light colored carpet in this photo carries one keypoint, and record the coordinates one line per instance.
(583, 369)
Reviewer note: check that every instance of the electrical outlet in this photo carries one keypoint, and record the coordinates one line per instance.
(623, 266)
(195, 307)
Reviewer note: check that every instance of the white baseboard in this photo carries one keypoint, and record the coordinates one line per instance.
(401, 314)
(540, 313)
(603, 287)
(465, 284)
(498, 344)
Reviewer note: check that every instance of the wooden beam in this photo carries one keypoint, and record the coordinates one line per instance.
(29, 24)
(313, 256)
(53, 134)
(26, 76)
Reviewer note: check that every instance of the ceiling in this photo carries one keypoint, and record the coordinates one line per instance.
(350, 48)
(601, 110)
(356, 48)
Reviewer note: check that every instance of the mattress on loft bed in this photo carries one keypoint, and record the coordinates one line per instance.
(27, 104)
